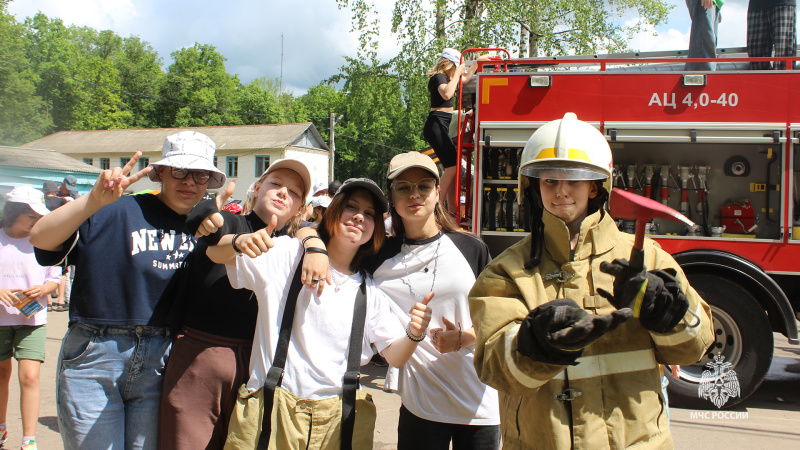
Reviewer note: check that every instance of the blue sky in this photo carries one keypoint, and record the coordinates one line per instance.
(315, 32)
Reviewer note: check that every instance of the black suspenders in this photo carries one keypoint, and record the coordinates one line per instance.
(275, 374)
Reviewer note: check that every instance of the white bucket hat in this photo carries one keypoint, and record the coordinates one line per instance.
(30, 196)
(192, 151)
(450, 54)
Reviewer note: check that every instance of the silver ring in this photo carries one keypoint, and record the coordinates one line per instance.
(435, 335)
(314, 281)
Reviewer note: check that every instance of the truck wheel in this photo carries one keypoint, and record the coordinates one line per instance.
(743, 337)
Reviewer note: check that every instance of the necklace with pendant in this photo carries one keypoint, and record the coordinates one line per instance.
(336, 283)
(435, 260)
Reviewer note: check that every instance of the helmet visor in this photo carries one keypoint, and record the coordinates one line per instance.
(556, 170)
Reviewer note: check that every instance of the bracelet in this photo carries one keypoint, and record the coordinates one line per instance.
(310, 237)
(233, 244)
(459, 337)
(316, 250)
(411, 336)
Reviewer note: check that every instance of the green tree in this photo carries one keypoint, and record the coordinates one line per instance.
(319, 103)
(23, 114)
(77, 79)
(377, 120)
(139, 70)
(259, 99)
(197, 79)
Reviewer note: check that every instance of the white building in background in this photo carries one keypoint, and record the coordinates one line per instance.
(21, 166)
(243, 152)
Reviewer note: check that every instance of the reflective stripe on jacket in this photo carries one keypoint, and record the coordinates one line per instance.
(615, 397)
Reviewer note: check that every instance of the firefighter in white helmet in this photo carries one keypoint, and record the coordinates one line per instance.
(575, 367)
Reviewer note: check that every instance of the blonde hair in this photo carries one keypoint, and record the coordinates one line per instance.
(247, 206)
(444, 66)
(249, 203)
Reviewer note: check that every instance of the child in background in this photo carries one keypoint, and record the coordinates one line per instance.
(22, 337)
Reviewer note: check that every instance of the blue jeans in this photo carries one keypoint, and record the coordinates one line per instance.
(703, 35)
(108, 386)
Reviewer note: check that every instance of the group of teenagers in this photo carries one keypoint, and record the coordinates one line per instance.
(181, 311)
(193, 327)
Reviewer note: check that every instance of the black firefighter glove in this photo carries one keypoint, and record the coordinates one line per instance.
(655, 296)
(558, 331)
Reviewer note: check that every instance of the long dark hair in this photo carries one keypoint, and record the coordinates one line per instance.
(537, 225)
(330, 221)
(12, 211)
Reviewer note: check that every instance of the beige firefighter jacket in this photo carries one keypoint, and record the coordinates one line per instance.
(615, 391)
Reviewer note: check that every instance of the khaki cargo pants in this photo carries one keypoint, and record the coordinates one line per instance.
(299, 423)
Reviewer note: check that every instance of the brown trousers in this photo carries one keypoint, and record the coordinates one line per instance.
(200, 389)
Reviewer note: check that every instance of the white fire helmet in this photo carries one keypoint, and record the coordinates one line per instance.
(566, 149)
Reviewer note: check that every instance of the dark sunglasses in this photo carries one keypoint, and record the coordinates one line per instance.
(199, 177)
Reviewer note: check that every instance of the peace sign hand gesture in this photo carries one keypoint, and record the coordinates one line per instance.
(112, 183)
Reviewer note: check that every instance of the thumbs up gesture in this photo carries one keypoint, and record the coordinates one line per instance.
(446, 339)
(420, 317)
(259, 242)
(215, 220)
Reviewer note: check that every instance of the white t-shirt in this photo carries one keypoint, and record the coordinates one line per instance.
(19, 270)
(435, 386)
(317, 358)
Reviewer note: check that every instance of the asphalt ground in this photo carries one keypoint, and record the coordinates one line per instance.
(768, 419)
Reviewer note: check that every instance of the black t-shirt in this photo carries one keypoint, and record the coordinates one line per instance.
(52, 202)
(433, 87)
(126, 256)
(208, 301)
(761, 5)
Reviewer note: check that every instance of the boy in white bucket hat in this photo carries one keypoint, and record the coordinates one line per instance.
(193, 152)
(126, 250)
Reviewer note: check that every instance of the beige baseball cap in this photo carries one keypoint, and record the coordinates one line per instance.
(405, 161)
(295, 165)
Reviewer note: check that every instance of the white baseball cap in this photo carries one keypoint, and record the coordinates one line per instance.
(30, 196)
(322, 201)
(319, 187)
(450, 54)
(192, 151)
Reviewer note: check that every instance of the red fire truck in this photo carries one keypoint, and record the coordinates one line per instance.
(721, 147)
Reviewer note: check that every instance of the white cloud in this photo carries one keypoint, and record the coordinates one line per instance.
(316, 33)
(106, 14)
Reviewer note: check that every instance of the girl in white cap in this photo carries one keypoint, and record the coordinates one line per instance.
(22, 331)
(126, 251)
(216, 337)
(442, 84)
